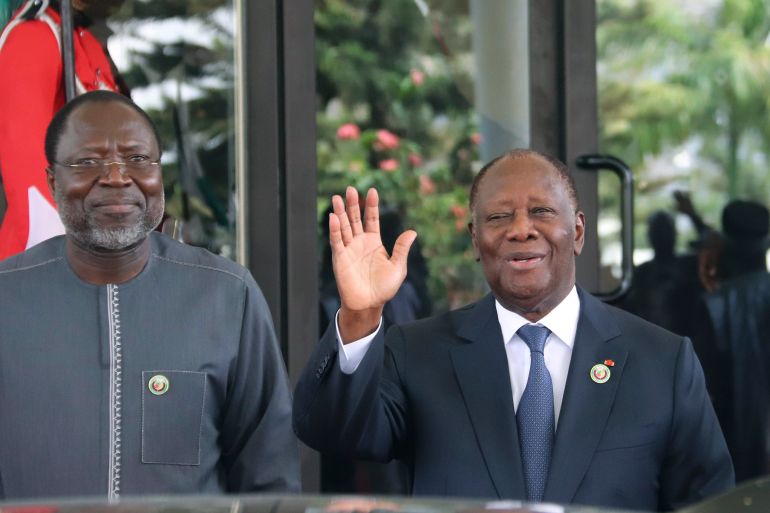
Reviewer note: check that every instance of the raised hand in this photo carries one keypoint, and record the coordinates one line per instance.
(366, 276)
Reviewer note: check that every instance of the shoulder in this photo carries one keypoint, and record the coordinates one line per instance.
(629, 322)
(745, 297)
(31, 35)
(626, 328)
(195, 261)
(449, 323)
(753, 282)
(36, 257)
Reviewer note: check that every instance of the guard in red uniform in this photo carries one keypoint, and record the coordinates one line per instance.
(31, 91)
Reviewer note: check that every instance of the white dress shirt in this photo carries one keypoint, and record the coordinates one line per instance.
(562, 321)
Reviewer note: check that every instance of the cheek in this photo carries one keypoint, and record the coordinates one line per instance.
(74, 192)
(150, 187)
(489, 240)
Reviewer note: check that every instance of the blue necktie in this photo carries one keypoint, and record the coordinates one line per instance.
(535, 417)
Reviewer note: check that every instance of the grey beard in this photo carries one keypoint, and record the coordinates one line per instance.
(81, 227)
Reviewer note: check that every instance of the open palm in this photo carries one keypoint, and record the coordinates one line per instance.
(366, 276)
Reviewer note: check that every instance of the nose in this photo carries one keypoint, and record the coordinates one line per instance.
(114, 174)
(521, 228)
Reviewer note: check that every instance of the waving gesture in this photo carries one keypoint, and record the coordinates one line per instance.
(366, 276)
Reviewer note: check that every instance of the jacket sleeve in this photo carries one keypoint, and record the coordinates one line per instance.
(30, 91)
(259, 449)
(698, 464)
(364, 414)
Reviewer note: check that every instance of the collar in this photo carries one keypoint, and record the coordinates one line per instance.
(562, 320)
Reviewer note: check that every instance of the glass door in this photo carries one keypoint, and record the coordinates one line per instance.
(178, 61)
(682, 90)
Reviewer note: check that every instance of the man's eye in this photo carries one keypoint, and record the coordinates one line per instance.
(138, 158)
(497, 217)
(542, 210)
(88, 162)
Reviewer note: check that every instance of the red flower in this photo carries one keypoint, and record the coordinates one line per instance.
(459, 211)
(388, 165)
(415, 160)
(386, 140)
(349, 132)
(476, 138)
(417, 77)
(427, 186)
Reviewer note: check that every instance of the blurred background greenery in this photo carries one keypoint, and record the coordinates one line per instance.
(684, 88)
(394, 113)
(683, 99)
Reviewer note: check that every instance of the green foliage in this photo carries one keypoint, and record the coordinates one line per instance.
(687, 77)
(393, 114)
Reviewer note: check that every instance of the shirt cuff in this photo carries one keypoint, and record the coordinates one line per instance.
(351, 354)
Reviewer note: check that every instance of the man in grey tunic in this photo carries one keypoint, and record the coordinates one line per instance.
(130, 363)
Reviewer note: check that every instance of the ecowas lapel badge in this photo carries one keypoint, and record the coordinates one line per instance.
(600, 373)
(158, 384)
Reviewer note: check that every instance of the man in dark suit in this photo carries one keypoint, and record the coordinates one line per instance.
(537, 392)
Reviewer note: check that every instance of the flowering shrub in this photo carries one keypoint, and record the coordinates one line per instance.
(391, 116)
(349, 132)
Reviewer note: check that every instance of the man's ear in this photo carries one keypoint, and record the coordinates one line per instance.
(580, 231)
(472, 231)
(50, 178)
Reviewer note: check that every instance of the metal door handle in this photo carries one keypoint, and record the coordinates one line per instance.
(617, 166)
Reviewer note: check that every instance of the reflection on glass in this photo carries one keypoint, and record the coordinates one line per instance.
(609, 230)
(177, 60)
(402, 107)
(683, 100)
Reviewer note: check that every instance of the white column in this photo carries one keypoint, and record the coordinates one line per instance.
(501, 58)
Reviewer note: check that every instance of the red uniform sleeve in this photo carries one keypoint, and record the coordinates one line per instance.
(30, 93)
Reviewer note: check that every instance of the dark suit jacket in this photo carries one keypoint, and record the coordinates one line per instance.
(437, 394)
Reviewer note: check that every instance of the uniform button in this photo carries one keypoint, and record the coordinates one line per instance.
(158, 384)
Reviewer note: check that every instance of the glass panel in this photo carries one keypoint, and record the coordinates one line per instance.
(683, 93)
(410, 103)
(609, 229)
(177, 59)
(683, 100)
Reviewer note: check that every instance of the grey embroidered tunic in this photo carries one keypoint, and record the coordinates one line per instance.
(170, 383)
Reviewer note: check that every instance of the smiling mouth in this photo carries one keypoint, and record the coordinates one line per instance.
(525, 262)
(116, 208)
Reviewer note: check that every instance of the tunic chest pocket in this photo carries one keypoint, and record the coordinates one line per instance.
(172, 413)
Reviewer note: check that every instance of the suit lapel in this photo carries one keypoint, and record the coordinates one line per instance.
(481, 367)
(586, 405)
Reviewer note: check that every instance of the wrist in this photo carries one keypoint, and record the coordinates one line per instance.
(356, 324)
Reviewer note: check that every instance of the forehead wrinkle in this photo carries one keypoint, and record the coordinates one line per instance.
(545, 192)
(89, 114)
(85, 137)
(508, 201)
(552, 170)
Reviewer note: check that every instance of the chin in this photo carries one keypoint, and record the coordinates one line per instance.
(522, 298)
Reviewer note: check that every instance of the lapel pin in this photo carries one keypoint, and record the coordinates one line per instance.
(609, 363)
(600, 373)
(158, 384)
